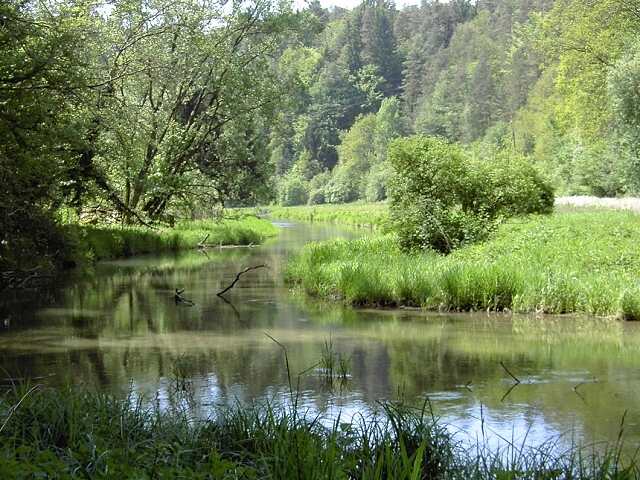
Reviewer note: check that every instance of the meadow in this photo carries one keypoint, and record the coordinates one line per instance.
(575, 261)
(72, 433)
(354, 214)
(92, 243)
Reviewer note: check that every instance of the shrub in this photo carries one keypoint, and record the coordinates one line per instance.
(376, 187)
(443, 198)
(292, 191)
(316, 197)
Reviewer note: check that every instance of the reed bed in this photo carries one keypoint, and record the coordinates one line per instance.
(108, 242)
(73, 433)
(572, 262)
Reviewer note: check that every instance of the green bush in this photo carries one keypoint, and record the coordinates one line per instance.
(442, 198)
(292, 191)
(316, 197)
(376, 187)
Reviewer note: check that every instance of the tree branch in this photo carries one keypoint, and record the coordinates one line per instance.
(238, 275)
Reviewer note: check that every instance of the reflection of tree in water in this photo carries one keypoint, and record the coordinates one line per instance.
(122, 324)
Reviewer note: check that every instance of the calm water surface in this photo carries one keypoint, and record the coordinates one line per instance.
(120, 329)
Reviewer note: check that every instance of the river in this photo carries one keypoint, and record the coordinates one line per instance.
(118, 329)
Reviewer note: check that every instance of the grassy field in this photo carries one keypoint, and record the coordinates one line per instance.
(354, 214)
(581, 261)
(72, 433)
(94, 243)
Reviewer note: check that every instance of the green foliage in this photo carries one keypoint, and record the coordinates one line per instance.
(376, 182)
(69, 432)
(624, 84)
(292, 191)
(43, 70)
(355, 214)
(441, 198)
(93, 243)
(575, 262)
(362, 169)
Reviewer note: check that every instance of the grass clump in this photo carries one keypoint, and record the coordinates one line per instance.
(71, 433)
(585, 262)
(354, 214)
(109, 242)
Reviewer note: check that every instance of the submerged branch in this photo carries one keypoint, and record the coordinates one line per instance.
(510, 374)
(238, 275)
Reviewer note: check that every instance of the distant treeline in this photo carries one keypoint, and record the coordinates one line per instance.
(555, 82)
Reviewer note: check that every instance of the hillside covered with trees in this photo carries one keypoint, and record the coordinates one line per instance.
(553, 82)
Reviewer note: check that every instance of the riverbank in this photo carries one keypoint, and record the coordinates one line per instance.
(375, 214)
(82, 245)
(72, 432)
(91, 243)
(572, 262)
(352, 214)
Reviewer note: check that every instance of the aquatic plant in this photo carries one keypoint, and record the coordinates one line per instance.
(333, 364)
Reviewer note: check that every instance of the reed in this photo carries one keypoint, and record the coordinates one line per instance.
(373, 215)
(92, 243)
(581, 261)
(73, 433)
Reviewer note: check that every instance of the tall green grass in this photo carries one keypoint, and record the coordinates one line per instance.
(354, 214)
(73, 433)
(109, 242)
(585, 262)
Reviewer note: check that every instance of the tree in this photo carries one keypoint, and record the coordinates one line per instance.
(44, 82)
(187, 89)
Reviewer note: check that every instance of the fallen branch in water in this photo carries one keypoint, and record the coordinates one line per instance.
(203, 246)
(510, 374)
(515, 379)
(201, 243)
(238, 275)
(180, 300)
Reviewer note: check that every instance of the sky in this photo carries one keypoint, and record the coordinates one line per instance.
(354, 3)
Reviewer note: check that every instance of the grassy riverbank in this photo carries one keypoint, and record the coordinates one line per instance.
(70, 434)
(582, 261)
(354, 214)
(108, 242)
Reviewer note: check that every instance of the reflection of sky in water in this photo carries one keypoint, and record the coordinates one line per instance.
(120, 328)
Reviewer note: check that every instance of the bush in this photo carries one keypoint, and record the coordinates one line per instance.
(442, 198)
(343, 186)
(376, 187)
(292, 191)
(316, 197)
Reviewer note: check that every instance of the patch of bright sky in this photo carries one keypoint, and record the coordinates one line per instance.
(352, 3)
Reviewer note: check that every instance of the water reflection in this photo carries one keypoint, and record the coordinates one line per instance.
(119, 328)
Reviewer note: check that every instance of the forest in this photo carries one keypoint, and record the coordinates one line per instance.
(141, 113)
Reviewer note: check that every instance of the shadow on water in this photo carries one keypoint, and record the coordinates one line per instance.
(120, 327)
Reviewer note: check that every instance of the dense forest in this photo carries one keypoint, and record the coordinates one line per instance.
(555, 82)
(140, 112)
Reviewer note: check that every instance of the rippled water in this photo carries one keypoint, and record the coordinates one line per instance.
(120, 329)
